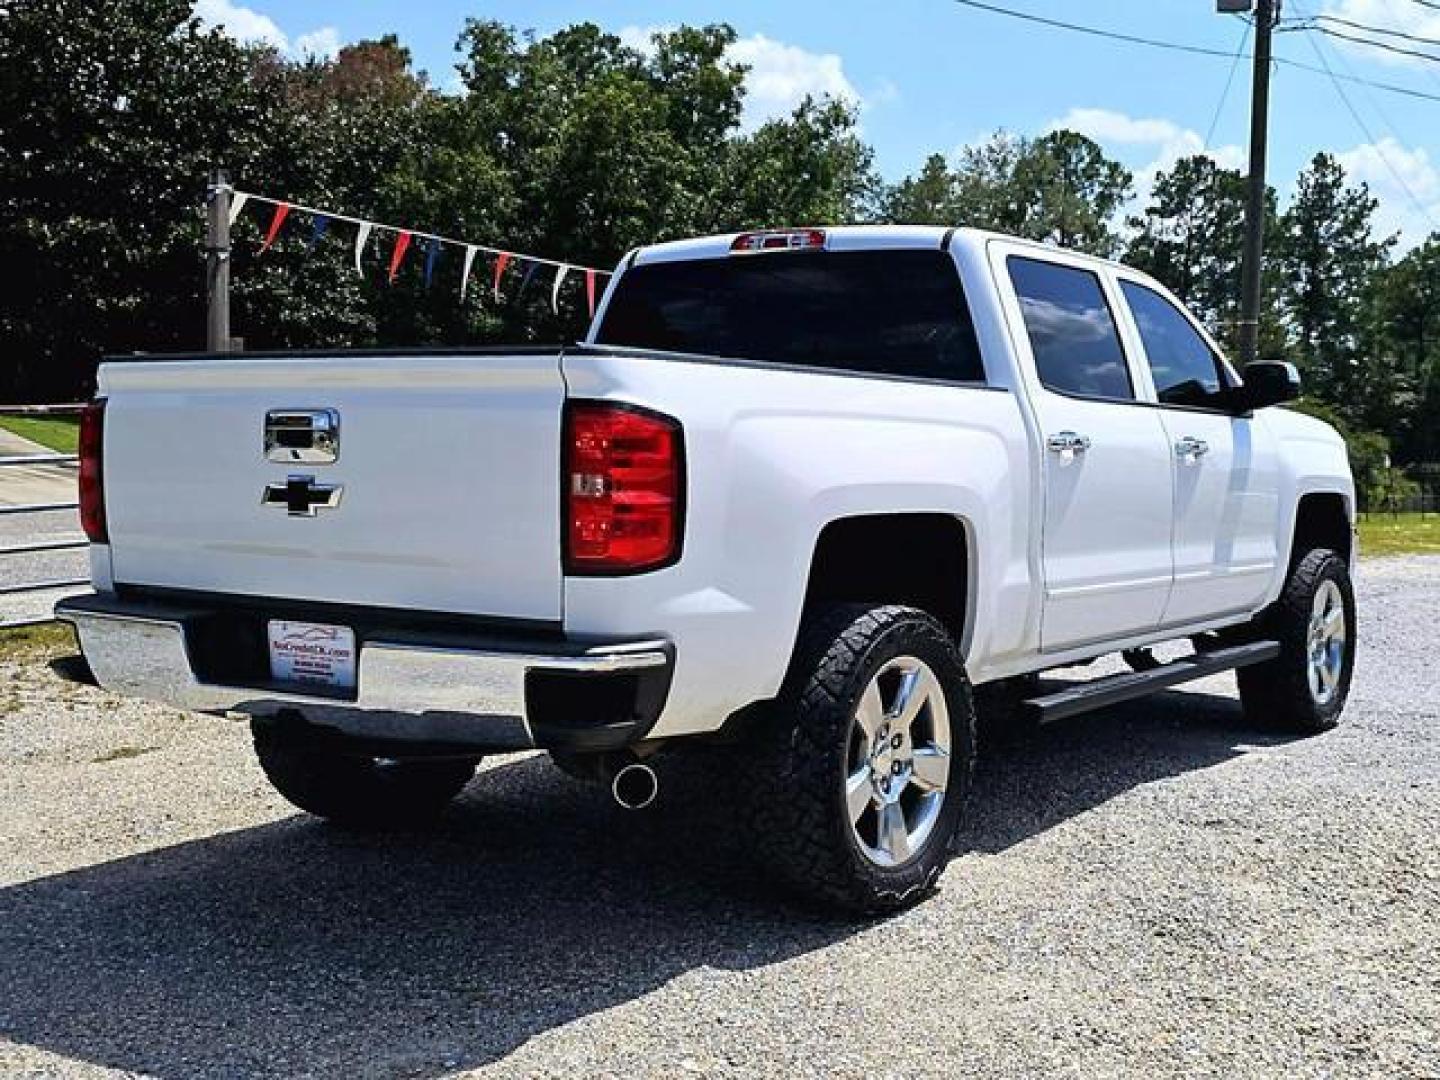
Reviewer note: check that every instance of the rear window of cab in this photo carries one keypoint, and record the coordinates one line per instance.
(890, 312)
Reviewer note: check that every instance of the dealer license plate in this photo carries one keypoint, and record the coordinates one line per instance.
(302, 652)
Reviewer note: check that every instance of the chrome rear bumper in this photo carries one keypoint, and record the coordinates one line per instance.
(477, 695)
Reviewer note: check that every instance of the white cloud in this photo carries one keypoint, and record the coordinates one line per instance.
(1409, 18)
(781, 75)
(323, 43)
(1154, 145)
(1149, 146)
(1161, 143)
(639, 37)
(248, 25)
(241, 23)
(1411, 208)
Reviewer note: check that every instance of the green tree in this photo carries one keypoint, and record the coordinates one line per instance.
(1406, 336)
(1191, 237)
(110, 115)
(1059, 188)
(1330, 260)
(1077, 192)
(809, 168)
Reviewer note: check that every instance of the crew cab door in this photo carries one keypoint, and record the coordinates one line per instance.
(1226, 466)
(1106, 471)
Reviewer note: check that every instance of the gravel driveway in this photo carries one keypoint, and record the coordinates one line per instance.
(1157, 890)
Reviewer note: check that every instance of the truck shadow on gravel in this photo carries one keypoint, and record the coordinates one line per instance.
(295, 948)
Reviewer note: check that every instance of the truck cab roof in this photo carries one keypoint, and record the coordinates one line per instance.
(838, 238)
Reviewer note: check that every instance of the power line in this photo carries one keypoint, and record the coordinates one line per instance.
(1369, 135)
(1399, 50)
(1418, 39)
(1095, 31)
(1401, 34)
(1174, 46)
(1229, 81)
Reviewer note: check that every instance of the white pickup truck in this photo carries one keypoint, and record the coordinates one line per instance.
(798, 491)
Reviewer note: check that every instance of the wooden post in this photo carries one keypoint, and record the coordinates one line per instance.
(1252, 272)
(217, 260)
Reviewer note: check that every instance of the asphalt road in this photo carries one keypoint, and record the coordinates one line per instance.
(1156, 890)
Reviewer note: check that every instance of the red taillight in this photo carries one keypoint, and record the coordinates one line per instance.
(92, 472)
(779, 240)
(623, 489)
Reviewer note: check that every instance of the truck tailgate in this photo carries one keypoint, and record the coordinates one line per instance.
(448, 470)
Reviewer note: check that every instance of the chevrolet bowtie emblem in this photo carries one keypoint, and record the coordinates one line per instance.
(302, 496)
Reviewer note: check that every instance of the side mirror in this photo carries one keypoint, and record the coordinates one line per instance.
(1268, 382)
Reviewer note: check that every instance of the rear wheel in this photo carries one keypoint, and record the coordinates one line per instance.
(356, 790)
(1305, 688)
(860, 783)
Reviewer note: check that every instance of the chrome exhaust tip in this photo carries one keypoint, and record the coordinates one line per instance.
(635, 786)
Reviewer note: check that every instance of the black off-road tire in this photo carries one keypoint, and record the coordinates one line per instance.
(796, 813)
(356, 791)
(1277, 694)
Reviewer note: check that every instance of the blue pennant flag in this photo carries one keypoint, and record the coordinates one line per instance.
(317, 231)
(525, 281)
(432, 254)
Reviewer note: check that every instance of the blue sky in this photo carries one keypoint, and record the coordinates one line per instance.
(933, 75)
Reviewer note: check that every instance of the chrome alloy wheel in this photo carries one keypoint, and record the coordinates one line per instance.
(1325, 642)
(897, 761)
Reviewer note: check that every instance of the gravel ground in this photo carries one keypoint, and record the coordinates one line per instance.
(1156, 890)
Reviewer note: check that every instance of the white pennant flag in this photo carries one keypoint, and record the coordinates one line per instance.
(237, 204)
(470, 250)
(555, 292)
(360, 238)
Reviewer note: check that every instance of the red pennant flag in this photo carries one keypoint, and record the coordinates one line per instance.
(402, 244)
(590, 290)
(281, 209)
(501, 261)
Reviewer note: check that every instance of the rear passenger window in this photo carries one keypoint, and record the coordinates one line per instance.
(887, 312)
(1186, 370)
(1072, 333)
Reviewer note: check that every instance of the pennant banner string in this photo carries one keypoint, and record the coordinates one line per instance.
(241, 197)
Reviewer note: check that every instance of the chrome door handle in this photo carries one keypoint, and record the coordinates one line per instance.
(1068, 445)
(1191, 448)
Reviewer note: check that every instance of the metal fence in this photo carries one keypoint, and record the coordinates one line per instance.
(39, 547)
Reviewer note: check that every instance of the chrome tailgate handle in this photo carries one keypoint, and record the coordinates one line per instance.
(302, 436)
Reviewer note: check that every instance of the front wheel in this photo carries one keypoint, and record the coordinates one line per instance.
(1305, 688)
(359, 791)
(861, 779)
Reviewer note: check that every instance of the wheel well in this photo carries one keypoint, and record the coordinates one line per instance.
(920, 560)
(1321, 521)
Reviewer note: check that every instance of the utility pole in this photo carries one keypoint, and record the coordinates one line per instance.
(217, 260)
(1267, 13)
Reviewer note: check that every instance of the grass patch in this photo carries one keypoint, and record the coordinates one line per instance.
(45, 642)
(58, 433)
(1407, 534)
